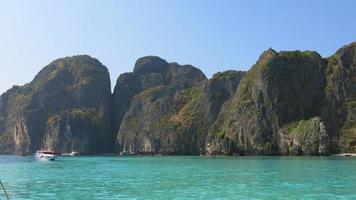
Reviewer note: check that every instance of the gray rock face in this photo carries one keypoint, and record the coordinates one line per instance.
(141, 109)
(340, 102)
(217, 95)
(218, 90)
(66, 107)
(150, 65)
(280, 88)
(304, 138)
(175, 115)
(289, 103)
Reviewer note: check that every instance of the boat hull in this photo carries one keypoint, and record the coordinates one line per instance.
(45, 157)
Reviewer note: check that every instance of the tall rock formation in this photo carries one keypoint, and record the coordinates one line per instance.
(288, 103)
(66, 107)
(144, 98)
(340, 98)
(279, 89)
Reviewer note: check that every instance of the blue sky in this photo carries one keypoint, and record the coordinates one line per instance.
(212, 35)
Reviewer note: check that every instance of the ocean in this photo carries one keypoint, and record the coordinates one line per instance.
(179, 177)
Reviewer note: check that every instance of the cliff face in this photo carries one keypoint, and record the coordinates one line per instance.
(288, 103)
(66, 107)
(279, 89)
(340, 92)
(216, 97)
(142, 106)
(173, 108)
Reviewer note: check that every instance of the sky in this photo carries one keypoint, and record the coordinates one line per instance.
(211, 35)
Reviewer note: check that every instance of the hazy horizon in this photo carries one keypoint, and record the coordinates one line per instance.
(118, 32)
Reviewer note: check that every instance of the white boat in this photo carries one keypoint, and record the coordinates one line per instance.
(45, 155)
(73, 153)
(124, 153)
(345, 154)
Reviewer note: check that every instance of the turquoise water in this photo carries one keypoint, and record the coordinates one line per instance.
(179, 177)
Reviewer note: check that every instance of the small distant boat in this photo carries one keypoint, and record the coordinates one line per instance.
(73, 153)
(125, 153)
(128, 153)
(45, 155)
(132, 153)
(345, 154)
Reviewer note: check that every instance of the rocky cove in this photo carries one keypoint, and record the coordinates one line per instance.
(288, 103)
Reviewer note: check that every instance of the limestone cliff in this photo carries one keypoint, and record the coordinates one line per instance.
(288, 103)
(280, 88)
(144, 98)
(66, 107)
(340, 102)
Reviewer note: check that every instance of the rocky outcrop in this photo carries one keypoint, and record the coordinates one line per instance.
(340, 102)
(66, 107)
(280, 88)
(216, 98)
(173, 113)
(141, 110)
(288, 103)
(306, 137)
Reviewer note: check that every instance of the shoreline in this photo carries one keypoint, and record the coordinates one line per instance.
(196, 155)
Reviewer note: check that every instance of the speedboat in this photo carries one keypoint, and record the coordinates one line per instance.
(45, 155)
(73, 153)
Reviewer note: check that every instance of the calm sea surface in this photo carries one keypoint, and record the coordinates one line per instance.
(179, 177)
